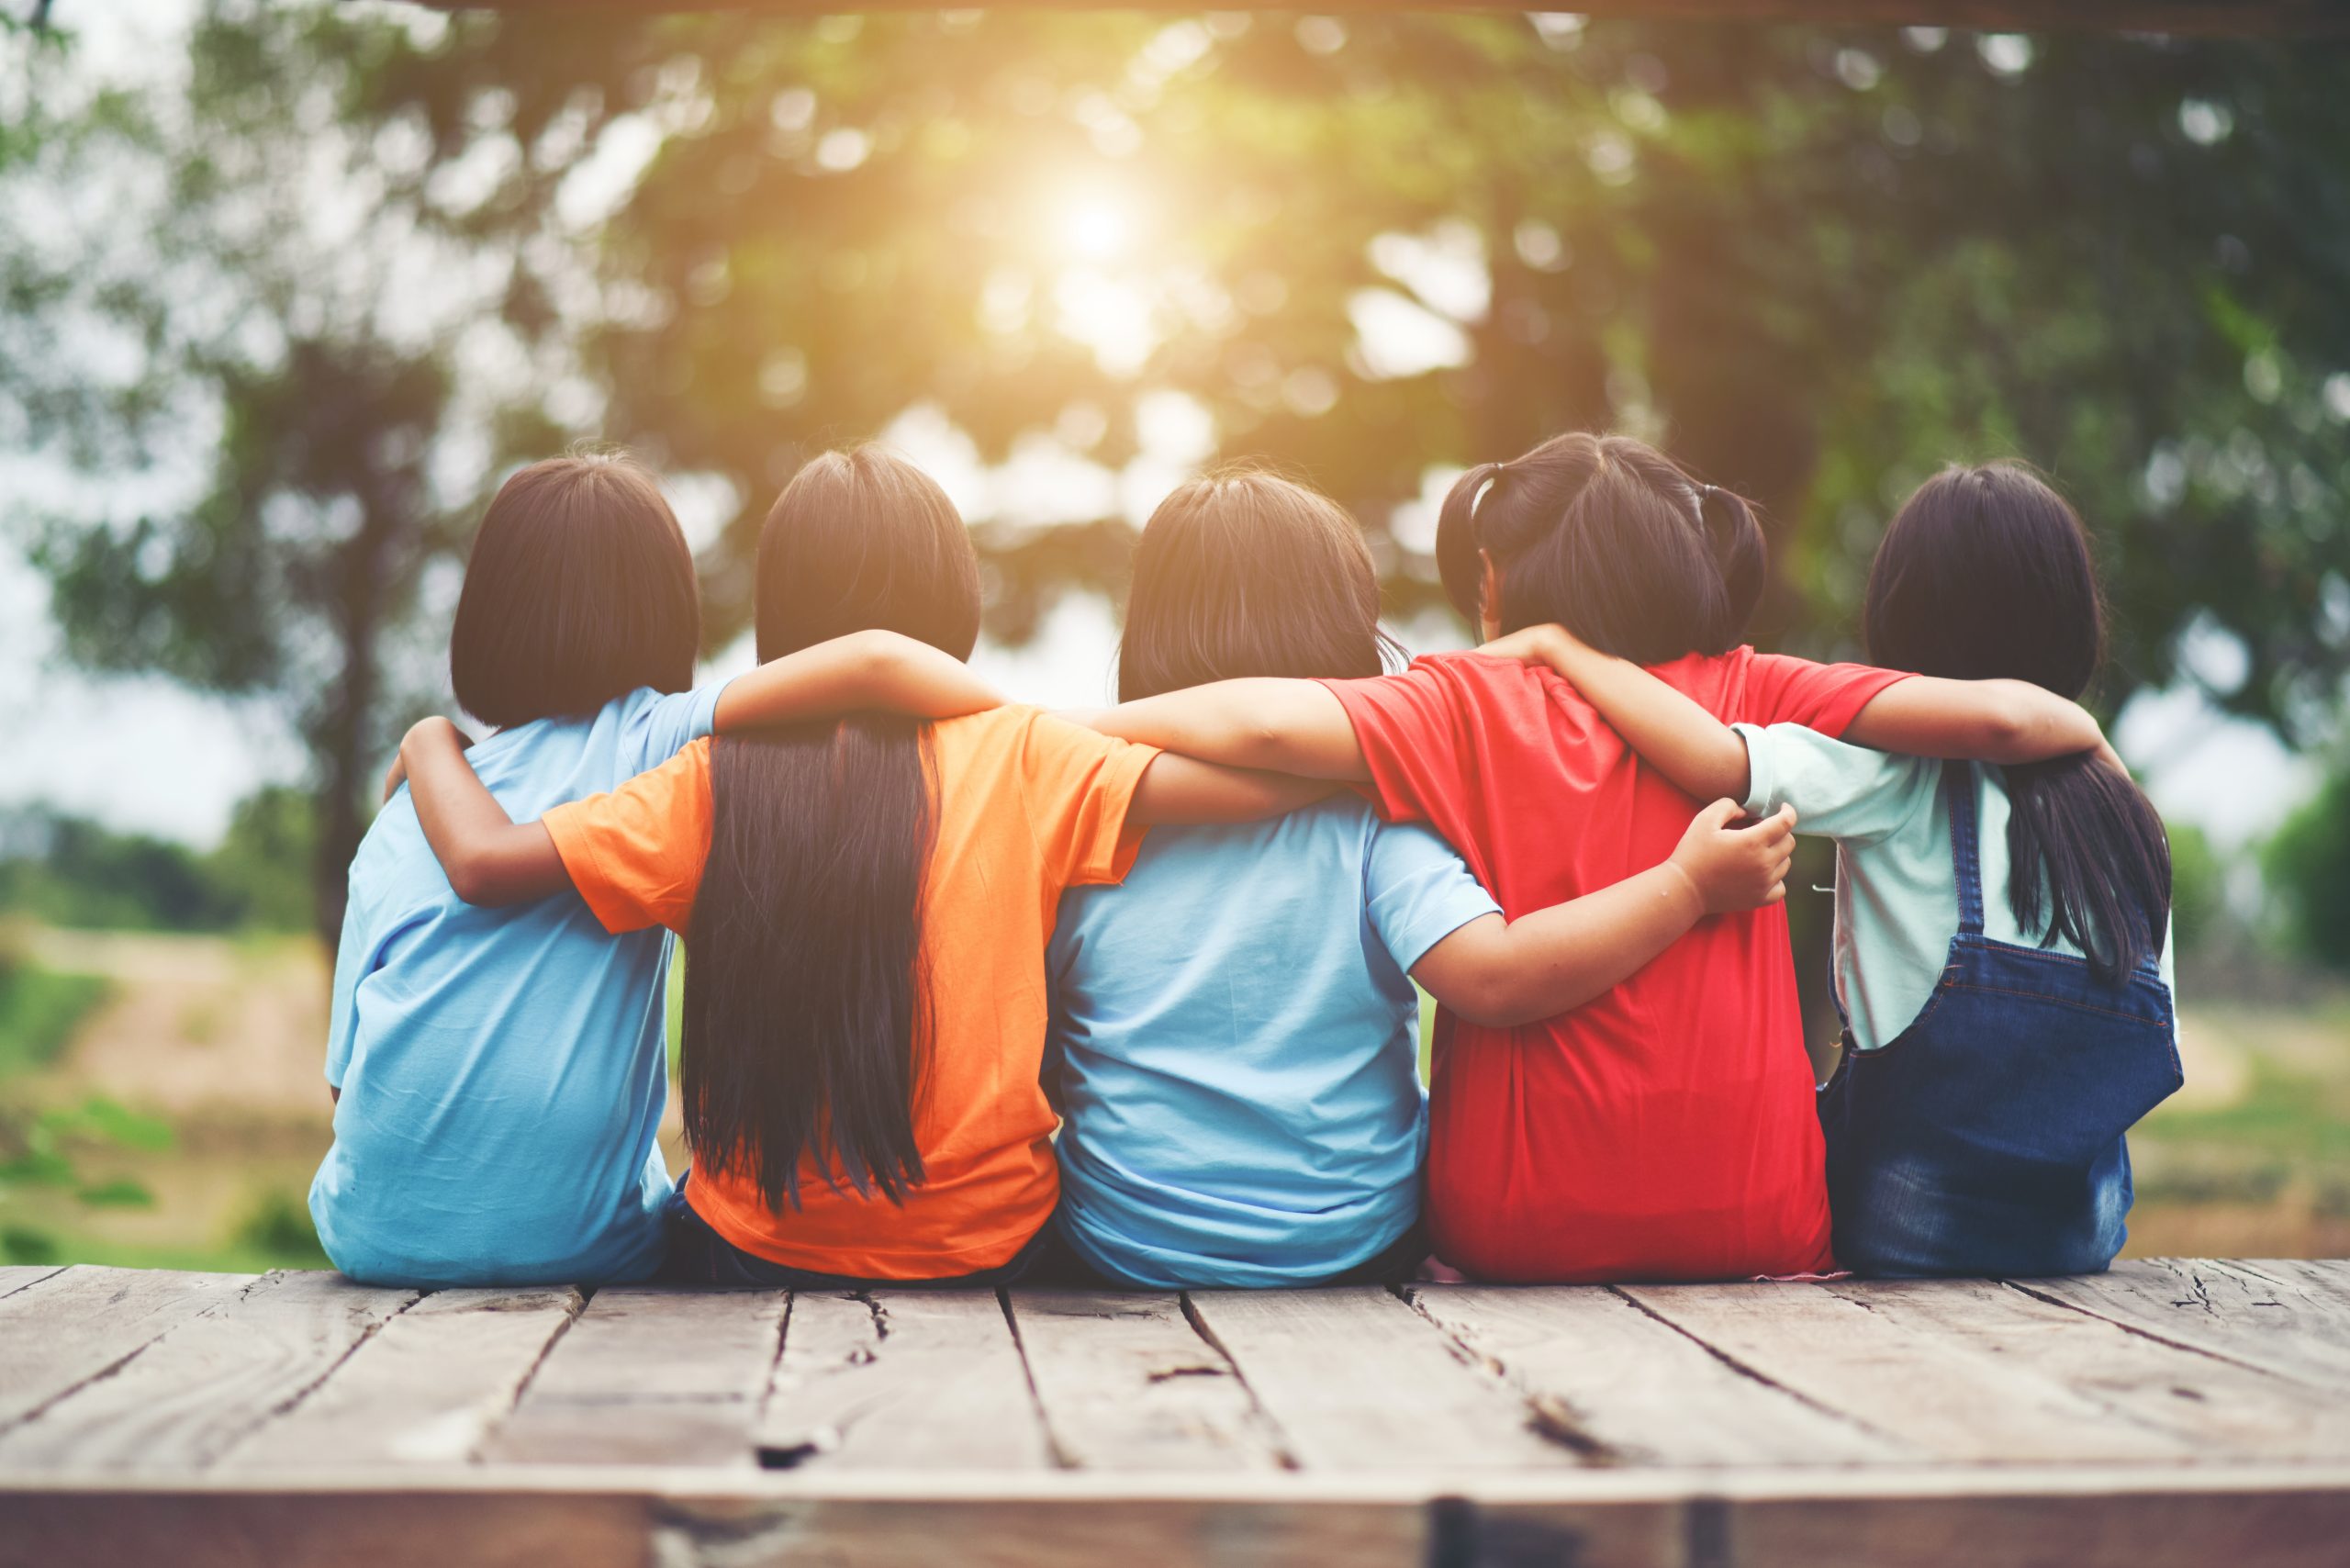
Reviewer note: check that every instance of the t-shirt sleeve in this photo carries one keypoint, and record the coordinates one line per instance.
(636, 855)
(1418, 891)
(668, 723)
(1076, 785)
(1827, 698)
(1409, 731)
(1844, 792)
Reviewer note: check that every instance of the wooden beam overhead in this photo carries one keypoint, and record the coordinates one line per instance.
(2272, 18)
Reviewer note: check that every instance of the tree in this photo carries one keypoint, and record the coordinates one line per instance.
(1815, 262)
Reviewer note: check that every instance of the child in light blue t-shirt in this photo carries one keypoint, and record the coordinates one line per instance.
(2002, 956)
(1236, 1026)
(499, 1074)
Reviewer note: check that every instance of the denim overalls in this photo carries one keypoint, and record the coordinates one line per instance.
(1986, 1138)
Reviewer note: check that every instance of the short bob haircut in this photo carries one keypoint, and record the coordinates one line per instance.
(1244, 573)
(1609, 538)
(580, 589)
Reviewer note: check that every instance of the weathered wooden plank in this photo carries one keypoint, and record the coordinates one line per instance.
(79, 1322)
(2255, 17)
(1356, 1380)
(425, 1389)
(2266, 1316)
(15, 1277)
(2214, 1407)
(648, 1377)
(196, 1389)
(1608, 1378)
(1944, 1397)
(902, 1380)
(1126, 1382)
(2184, 1523)
(342, 1528)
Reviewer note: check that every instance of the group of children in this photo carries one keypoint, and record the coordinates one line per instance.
(978, 993)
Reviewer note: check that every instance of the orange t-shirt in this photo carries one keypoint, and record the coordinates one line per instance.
(1027, 804)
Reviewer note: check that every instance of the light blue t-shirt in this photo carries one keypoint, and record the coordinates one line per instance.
(1238, 1038)
(1896, 891)
(503, 1070)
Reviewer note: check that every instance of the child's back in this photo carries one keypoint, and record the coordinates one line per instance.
(501, 1072)
(1975, 1124)
(1238, 1037)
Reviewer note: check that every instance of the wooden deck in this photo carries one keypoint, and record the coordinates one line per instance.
(2169, 1412)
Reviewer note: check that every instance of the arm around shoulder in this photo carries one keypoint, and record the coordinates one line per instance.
(488, 857)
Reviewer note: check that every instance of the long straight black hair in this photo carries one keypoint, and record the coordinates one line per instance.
(806, 1008)
(1985, 572)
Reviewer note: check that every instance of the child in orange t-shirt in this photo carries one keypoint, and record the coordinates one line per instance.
(867, 902)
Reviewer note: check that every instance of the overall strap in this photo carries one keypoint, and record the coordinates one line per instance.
(1966, 860)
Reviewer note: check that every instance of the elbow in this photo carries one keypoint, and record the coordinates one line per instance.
(472, 879)
(1491, 998)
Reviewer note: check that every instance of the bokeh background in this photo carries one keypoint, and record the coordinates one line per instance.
(285, 290)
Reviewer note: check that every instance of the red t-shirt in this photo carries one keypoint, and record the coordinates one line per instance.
(1665, 1130)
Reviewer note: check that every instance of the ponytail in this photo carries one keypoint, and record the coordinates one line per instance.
(2088, 861)
(1736, 536)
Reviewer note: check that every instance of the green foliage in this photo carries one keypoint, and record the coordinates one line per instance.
(39, 1149)
(70, 871)
(1817, 261)
(2198, 888)
(276, 1226)
(39, 1009)
(2307, 866)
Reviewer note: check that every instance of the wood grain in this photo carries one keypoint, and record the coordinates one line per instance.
(1354, 1379)
(2210, 1407)
(1127, 1383)
(15, 1277)
(424, 1390)
(199, 1388)
(649, 1376)
(2269, 1315)
(2257, 17)
(1629, 1390)
(1944, 1398)
(82, 1322)
(902, 1380)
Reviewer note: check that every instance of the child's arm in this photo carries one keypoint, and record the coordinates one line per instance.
(1178, 789)
(1977, 721)
(1288, 726)
(1502, 972)
(489, 857)
(1672, 731)
(864, 669)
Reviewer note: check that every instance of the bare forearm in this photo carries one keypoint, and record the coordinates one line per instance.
(1178, 789)
(1672, 731)
(1288, 726)
(863, 670)
(1556, 960)
(490, 858)
(1977, 721)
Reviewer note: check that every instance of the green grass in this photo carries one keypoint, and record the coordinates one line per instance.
(40, 1010)
(2286, 1114)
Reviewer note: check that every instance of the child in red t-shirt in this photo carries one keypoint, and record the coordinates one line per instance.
(1666, 1130)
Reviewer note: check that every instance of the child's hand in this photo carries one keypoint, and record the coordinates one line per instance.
(1734, 867)
(1545, 647)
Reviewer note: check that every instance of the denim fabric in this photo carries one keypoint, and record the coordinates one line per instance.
(1987, 1137)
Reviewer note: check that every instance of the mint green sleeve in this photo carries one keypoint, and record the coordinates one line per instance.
(1844, 792)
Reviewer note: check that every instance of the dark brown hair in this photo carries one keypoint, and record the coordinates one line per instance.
(1244, 573)
(806, 1006)
(580, 588)
(1986, 574)
(1609, 538)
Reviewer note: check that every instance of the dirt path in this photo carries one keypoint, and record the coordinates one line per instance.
(199, 1028)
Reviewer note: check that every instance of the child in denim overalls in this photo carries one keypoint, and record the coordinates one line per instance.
(1997, 1048)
